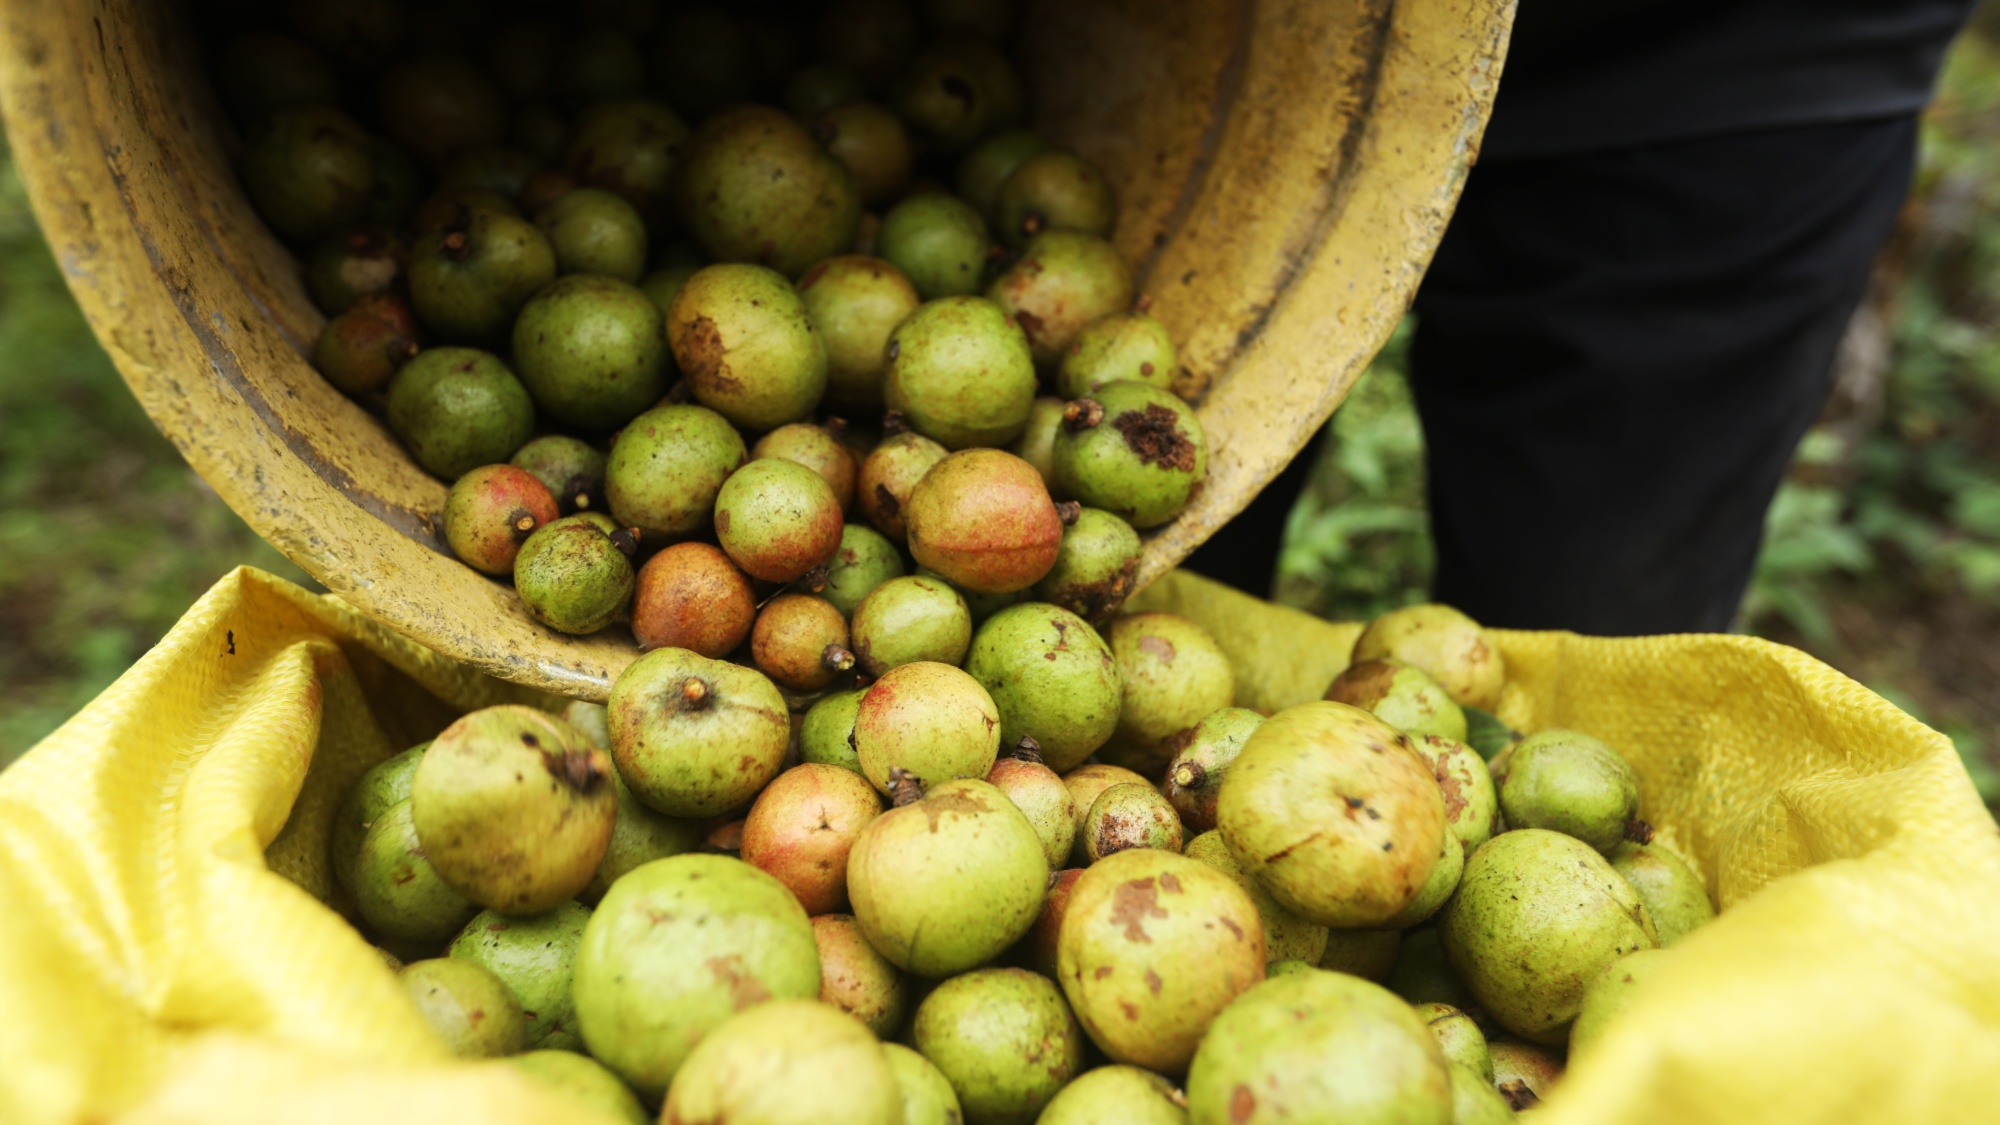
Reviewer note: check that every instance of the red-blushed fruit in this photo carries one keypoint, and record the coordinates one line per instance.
(801, 642)
(984, 520)
(1037, 951)
(817, 449)
(360, 349)
(777, 519)
(1042, 797)
(802, 826)
(691, 596)
(491, 511)
(856, 979)
(888, 474)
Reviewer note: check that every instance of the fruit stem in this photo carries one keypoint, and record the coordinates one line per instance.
(1638, 831)
(1069, 511)
(626, 539)
(836, 658)
(694, 694)
(815, 580)
(893, 422)
(524, 522)
(1027, 750)
(1143, 304)
(1082, 414)
(1189, 775)
(904, 787)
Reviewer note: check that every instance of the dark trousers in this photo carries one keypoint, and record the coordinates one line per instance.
(1616, 355)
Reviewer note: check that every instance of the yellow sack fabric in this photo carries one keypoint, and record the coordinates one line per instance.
(167, 955)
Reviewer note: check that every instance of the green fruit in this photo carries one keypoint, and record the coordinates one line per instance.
(573, 576)
(1421, 974)
(629, 148)
(585, 1081)
(1360, 849)
(666, 467)
(928, 1098)
(456, 409)
(399, 894)
(827, 733)
(984, 170)
(818, 87)
(1443, 880)
(1128, 816)
(593, 231)
(929, 719)
(386, 783)
(1447, 645)
(533, 957)
(865, 562)
(938, 241)
(1286, 935)
(855, 978)
(982, 605)
(945, 98)
(1052, 678)
(371, 258)
(1133, 450)
(1084, 784)
(983, 519)
(664, 284)
(514, 808)
(451, 205)
(960, 372)
(467, 1006)
(1062, 281)
(639, 836)
(1459, 1037)
(1172, 676)
(872, 144)
(1401, 696)
(696, 737)
(1607, 997)
(910, 619)
(361, 350)
(1202, 759)
(1537, 916)
(1570, 783)
(592, 350)
(777, 519)
(1037, 443)
(854, 303)
(948, 882)
(500, 170)
(1153, 946)
(572, 470)
(438, 105)
(490, 512)
(1123, 1094)
(889, 474)
(1094, 567)
(1053, 190)
(1669, 888)
(1474, 1101)
(1043, 799)
(1319, 1046)
(1130, 346)
(1368, 954)
(309, 171)
(677, 947)
(1470, 803)
(741, 336)
(751, 185)
(828, 1070)
(704, 60)
(1524, 1074)
(470, 275)
(1004, 1039)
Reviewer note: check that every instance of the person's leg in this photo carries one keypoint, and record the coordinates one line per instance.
(1616, 355)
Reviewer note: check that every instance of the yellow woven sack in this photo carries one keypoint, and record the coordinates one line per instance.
(167, 955)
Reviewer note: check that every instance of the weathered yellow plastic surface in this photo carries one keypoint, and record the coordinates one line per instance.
(166, 955)
(1285, 169)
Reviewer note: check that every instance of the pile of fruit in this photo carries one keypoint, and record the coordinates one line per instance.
(665, 339)
(1053, 876)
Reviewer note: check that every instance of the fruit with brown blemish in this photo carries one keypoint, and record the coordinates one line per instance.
(1135, 451)
(691, 596)
(593, 231)
(872, 143)
(1368, 954)
(856, 979)
(467, 1006)
(928, 1098)
(361, 349)
(865, 562)
(1130, 345)
(817, 449)
(639, 837)
(1537, 916)
(1202, 757)
(1004, 1038)
(1172, 675)
(1153, 947)
(1444, 877)
(456, 409)
(1128, 816)
(826, 734)
(1042, 797)
(1037, 443)
(471, 273)
(788, 1062)
(929, 719)
(573, 576)
(583, 1081)
(1524, 1073)
(514, 808)
(938, 241)
(800, 641)
(1287, 937)
(1319, 1046)
(752, 185)
(983, 519)
(308, 171)
(802, 827)
(1125, 1094)
(1085, 783)
(1095, 566)
(491, 511)
(1610, 994)
(1448, 646)
(984, 170)
(855, 302)
(777, 519)
(741, 336)
(947, 882)
(347, 266)
(629, 146)
(1053, 190)
(1052, 677)
(386, 783)
(910, 619)
(1470, 802)
(1359, 846)
(399, 894)
(666, 467)
(1038, 949)
(533, 957)
(696, 737)
(1062, 281)
(960, 372)
(946, 98)
(888, 475)
(1671, 890)
(676, 948)
(1569, 782)
(571, 469)
(1400, 695)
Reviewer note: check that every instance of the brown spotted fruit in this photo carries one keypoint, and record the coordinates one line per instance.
(1062, 281)
(1004, 1038)
(666, 467)
(817, 449)
(1286, 935)
(801, 828)
(1153, 947)
(777, 519)
(1470, 803)
(1084, 784)
(889, 474)
(1202, 759)
(1052, 677)
(1038, 949)
(1042, 797)
(800, 641)
(1128, 816)
(467, 1006)
(1671, 890)
(575, 575)
(1172, 675)
(490, 512)
(691, 596)
(362, 347)
(752, 185)
(1330, 810)
(929, 720)
(1448, 646)
(1095, 566)
(1524, 1073)
(856, 979)
(1125, 1094)
(696, 737)
(1400, 695)
(983, 519)
(961, 373)
(1132, 449)
(742, 338)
